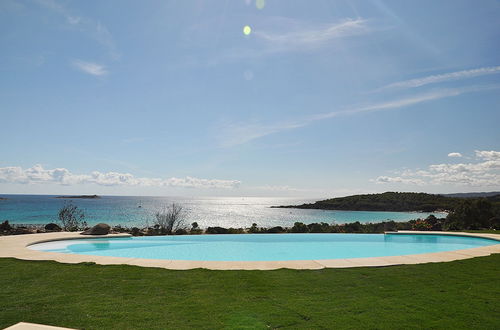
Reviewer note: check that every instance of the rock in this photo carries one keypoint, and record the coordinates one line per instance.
(21, 230)
(52, 227)
(181, 231)
(4, 226)
(135, 231)
(99, 229)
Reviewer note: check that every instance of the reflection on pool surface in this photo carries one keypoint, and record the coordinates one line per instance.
(264, 247)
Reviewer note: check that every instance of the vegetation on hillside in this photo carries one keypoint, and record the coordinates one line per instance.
(478, 213)
(391, 201)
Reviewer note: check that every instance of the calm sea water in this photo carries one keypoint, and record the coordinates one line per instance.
(208, 211)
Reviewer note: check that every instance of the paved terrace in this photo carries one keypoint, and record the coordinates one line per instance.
(16, 246)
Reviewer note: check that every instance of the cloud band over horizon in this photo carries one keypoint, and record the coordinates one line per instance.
(62, 176)
(485, 172)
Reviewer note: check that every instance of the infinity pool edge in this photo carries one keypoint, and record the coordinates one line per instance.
(17, 247)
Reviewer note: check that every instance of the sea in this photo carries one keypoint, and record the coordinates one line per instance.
(236, 212)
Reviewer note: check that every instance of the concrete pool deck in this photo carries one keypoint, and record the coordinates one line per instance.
(16, 246)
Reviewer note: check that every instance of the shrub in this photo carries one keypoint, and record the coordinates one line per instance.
(195, 229)
(299, 227)
(254, 229)
(120, 229)
(276, 230)
(435, 223)
(354, 227)
(217, 230)
(135, 231)
(337, 229)
(170, 219)
(390, 226)
(71, 217)
(421, 224)
(318, 227)
(236, 231)
(181, 231)
(5, 226)
(495, 222)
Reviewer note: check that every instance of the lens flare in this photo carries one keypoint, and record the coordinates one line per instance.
(247, 30)
(260, 4)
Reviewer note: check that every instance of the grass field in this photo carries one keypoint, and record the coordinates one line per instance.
(459, 294)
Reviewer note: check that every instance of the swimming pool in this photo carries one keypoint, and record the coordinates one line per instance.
(264, 247)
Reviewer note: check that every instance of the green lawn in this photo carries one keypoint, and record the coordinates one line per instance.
(459, 294)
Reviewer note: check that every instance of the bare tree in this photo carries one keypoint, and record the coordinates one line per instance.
(71, 217)
(170, 218)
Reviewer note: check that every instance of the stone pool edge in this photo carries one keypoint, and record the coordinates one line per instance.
(16, 246)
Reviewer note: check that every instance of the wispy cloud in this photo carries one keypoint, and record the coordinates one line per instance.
(484, 172)
(396, 104)
(38, 174)
(278, 188)
(90, 68)
(235, 134)
(276, 35)
(398, 179)
(299, 37)
(58, 8)
(85, 25)
(455, 155)
(450, 76)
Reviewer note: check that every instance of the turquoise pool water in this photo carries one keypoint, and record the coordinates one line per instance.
(264, 247)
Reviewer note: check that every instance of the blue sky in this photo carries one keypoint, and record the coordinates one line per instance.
(321, 98)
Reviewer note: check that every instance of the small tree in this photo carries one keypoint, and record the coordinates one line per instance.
(170, 219)
(195, 229)
(71, 217)
(254, 229)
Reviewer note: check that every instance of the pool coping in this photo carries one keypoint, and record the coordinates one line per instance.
(16, 246)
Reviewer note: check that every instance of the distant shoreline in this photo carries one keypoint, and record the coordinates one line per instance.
(393, 202)
(80, 196)
(310, 207)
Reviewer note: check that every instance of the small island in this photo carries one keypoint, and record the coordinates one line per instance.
(390, 201)
(80, 196)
